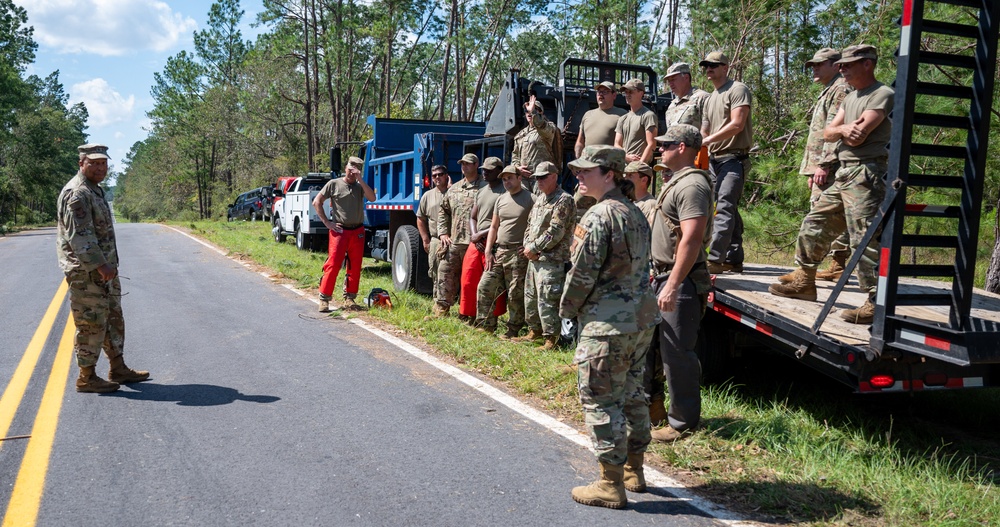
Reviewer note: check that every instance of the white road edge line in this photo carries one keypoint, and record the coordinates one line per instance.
(654, 477)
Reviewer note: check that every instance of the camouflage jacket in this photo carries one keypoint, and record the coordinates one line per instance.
(537, 142)
(456, 209)
(608, 288)
(85, 236)
(820, 153)
(686, 109)
(550, 226)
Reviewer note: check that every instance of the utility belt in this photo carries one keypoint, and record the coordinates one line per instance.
(873, 161)
(729, 155)
(352, 227)
(663, 271)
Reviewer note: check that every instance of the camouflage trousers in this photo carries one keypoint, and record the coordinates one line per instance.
(449, 273)
(842, 245)
(615, 407)
(97, 311)
(433, 259)
(850, 203)
(543, 287)
(507, 273)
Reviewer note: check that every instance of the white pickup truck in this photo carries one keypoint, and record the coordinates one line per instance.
(294, 214)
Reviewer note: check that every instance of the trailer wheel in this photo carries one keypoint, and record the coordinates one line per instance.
(302, 239)
(405, 255)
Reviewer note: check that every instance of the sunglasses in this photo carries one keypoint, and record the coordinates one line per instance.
(667, 144)
(710, 65)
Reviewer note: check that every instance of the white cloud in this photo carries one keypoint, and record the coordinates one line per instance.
(106, 27)
(104, 104)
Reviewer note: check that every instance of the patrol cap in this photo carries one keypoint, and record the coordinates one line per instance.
(600, 156)
(682, 133)
(510, 169)
(824, 55)
(677, 68)
(93, 151)
(856, 53)
(545, 168)
(606, 84)
(490, 163)
(640, 167)
(469, 158)
(356, 162)
(715, 57)
(633, 84)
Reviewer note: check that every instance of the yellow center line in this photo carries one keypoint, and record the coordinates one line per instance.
(26, 497)
(12, 395)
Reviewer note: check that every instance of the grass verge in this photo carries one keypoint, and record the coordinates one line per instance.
(777, 442)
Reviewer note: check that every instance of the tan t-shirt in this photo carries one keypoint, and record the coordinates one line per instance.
(513, 210)
(718, 113)
(428, 209)
(633, 127)
(598, 126)
(875, 97)
(687, 196)
(486, 199)
(347, 202)
(648, 207)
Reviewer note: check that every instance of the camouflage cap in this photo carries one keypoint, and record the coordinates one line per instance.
(677, 68)
(856, 53)
(469, 158)
(606, 84)
(660, 167)
(356, 162)
(545, 168)
(682, 133)
(600, 156)
(715, 57)
(633, 84)
(640, 167)
(492, 163)
(93, 151)
(510, 169)
(824, 55)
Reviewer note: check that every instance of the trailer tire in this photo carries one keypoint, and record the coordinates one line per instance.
(406, 249)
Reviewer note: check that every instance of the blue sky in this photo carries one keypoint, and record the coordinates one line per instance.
(106, 52)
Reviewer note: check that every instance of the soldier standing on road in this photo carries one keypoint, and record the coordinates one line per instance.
(728, 132)
(636, 130)
(347, 197)
(88, 255)
(506, 265)
(538, 141)
(546, 246)
(598, 125)
(453, 231)
(427, 216)
(819, 162)
(863, 128)
(608, 289)
(681, 233)
(474, 262)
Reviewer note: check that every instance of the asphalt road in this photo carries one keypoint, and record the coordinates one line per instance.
(260, 412)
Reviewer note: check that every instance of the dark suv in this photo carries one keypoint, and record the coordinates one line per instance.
(248, 206)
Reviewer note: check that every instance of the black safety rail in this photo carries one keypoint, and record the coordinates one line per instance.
(963, 340)
(582, 75)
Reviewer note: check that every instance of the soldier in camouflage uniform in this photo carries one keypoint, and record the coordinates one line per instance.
(538, 141)
(862, 126)
(546, 246)
(453, 231)
(506, 265)
(427, 217)
(688, 102)
(819, 161)
(608, 289)
(88, 255)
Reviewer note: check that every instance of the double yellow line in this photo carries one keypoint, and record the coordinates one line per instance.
(26, 496)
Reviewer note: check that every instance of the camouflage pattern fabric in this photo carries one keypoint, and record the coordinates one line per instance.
(456, 209)
(615, 407)
(433, 258)
(449, 273)
(97, 312)
(537, 142)
(507, 273)
(819, 153)
(542, 290)
(842, 245)
(583, 204)
(550, 227)
(850, 204)
(687, 109)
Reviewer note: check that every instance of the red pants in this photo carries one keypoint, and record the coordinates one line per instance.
(350, 243)
(473, 267)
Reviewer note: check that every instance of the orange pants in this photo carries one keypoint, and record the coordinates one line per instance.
(350, 243)
(473, 267)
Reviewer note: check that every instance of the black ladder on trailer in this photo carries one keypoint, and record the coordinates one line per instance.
(963, 339)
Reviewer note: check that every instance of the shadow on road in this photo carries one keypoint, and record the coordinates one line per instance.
(188, 394)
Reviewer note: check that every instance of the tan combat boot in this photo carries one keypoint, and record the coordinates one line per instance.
(438, 311)
(89, 382)
(324, 306)
(122, 374)
(634, 480)
(860, 315)
(657, 412)
(551, 343)
(608, 491)
(802, 286)
(787, 277)
(832, 273)
(533, 334)
(669, 434)
(511, 332)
